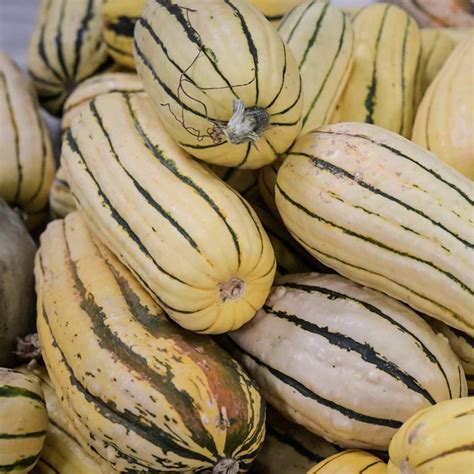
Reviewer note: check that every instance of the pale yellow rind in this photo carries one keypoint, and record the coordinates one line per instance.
(350, 462)
(445, 119)
(61, 200)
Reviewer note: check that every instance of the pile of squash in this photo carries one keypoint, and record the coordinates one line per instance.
(255, 252)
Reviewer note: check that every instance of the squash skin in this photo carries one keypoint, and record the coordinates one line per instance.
(350, 462)
(27, 163)
(61, 200)
(436, 439)
(23, 421)
(66, 48)
(17, 252)
(382, 85)
(321, 39)
(203, 113)
(341, 331)
(356, 197)
(189, 269)
(171, 400)
(445, 118)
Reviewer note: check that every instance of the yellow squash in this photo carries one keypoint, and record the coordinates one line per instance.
(321, 39)
(381, 86)
(438, 439)
(236, 106)
(445, 119)
(119, 18)
(275, 10)
(61, 200)
(26, 157)
(195, 244)
(350, 462)
(142, 394)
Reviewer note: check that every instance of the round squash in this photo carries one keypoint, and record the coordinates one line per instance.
(377, 362)
(17, 252)
(142, 394)
(23, 421)
(26, 162)
(438, 439)
(237, 107)
(350, 462)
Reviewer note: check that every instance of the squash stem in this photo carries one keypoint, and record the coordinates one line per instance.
(246, 124)
(231, 289)
(226, 466)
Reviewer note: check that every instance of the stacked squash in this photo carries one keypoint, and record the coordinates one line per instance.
(267, 193)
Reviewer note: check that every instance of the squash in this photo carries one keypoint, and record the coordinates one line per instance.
(119, 18)
(61, 200)
(266, 184)
(243, 181)
(17, 253)
(66, 47)
(350, 462)
(436, 46)
(321, 39)
(209, 278)
(142, 394)
(238, 108)
(289, 448)
(275, 10)
(26, 162)
(377, 362)
(62, 452)
(463, 347)
(95, 86)
(437, 439)
(445, 118)
(23, 421)
(381, 86)
(385, 213)
(438, 13)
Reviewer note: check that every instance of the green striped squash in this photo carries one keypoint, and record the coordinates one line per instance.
(145, 395)
(289, 448)
(266, 184)
(382, 211)
(226, 86)
(463, 347)
(382, 85)
(351, 461)
(26, 163)
(66, 47)
(193, 242)
(23, 421)
(353, 363)
(61, 200)
(321, 39)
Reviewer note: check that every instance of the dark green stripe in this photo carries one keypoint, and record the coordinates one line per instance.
(46, 82)
(285, 124)
(366, 468)
(10, 391)
(149, 199)
(460, 377)
(443, 454)
(305, 392)
(365, 350)
(123, 25)
(274, 17)
(293, 104)
(403, 81)
(283, 76)
(303, 13)
(246, 156)
(59, 41)
(23, 463)
(469, 340)
(337, 171)
(33, 434)
(397, 152)
(83, 29)
(11, 112)
(369, 102)
(314, 36)
(170, 165)
(47, 465)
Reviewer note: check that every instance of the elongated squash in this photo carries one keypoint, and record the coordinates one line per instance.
(391, 361)
(381, 87)
(350, 462)
(289, 448)
(95, 86)
(439, 12)
(239, 108)
(321, 39)
(26, 160)
(61, 200)
(144, 394)
(194, 243)
(119, 18)
(438, 439)
(385, 213)
(436, 46)
(66, 47)
(23, 421)
(463, 347)
(445, 119)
